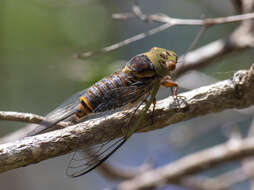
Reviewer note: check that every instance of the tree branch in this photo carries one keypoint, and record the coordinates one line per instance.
(24, 117)
(235, 93)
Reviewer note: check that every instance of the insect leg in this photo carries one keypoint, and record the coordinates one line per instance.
(155, 89)
(154, 104)
(138, 106)
(143, 101)
(180, 100)
(167, 82)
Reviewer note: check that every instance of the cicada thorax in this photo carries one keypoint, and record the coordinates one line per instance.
(141, 68)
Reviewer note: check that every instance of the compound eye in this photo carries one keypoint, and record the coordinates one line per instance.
(171, 65)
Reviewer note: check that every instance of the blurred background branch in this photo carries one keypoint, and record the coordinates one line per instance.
(169, 22)
(191, 164)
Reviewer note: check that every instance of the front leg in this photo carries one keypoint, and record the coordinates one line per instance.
(179, 100)
(167, 82)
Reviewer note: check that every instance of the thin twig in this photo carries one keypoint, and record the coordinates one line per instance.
(194, 22)
(22, 117)
(192, 46)
(125, 42)
(168, 22)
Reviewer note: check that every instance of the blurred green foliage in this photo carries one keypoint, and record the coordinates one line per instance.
(37, 43)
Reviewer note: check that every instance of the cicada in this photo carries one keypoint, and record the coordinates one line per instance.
(137, 81)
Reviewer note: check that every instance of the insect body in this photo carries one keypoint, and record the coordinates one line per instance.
(130, 84)
(135, 82)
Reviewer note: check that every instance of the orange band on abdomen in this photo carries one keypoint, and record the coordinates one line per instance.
(83, 99)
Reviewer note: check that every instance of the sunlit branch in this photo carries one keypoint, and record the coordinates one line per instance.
(228, 94)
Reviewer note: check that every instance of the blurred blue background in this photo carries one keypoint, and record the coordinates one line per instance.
(38, 39)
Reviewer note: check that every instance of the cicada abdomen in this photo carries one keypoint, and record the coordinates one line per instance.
(115, 91)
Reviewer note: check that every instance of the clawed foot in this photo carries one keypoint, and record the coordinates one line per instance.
(180, 104)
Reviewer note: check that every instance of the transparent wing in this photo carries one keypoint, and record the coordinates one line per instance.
(89, 158)
(67, 108)
(115, 98)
